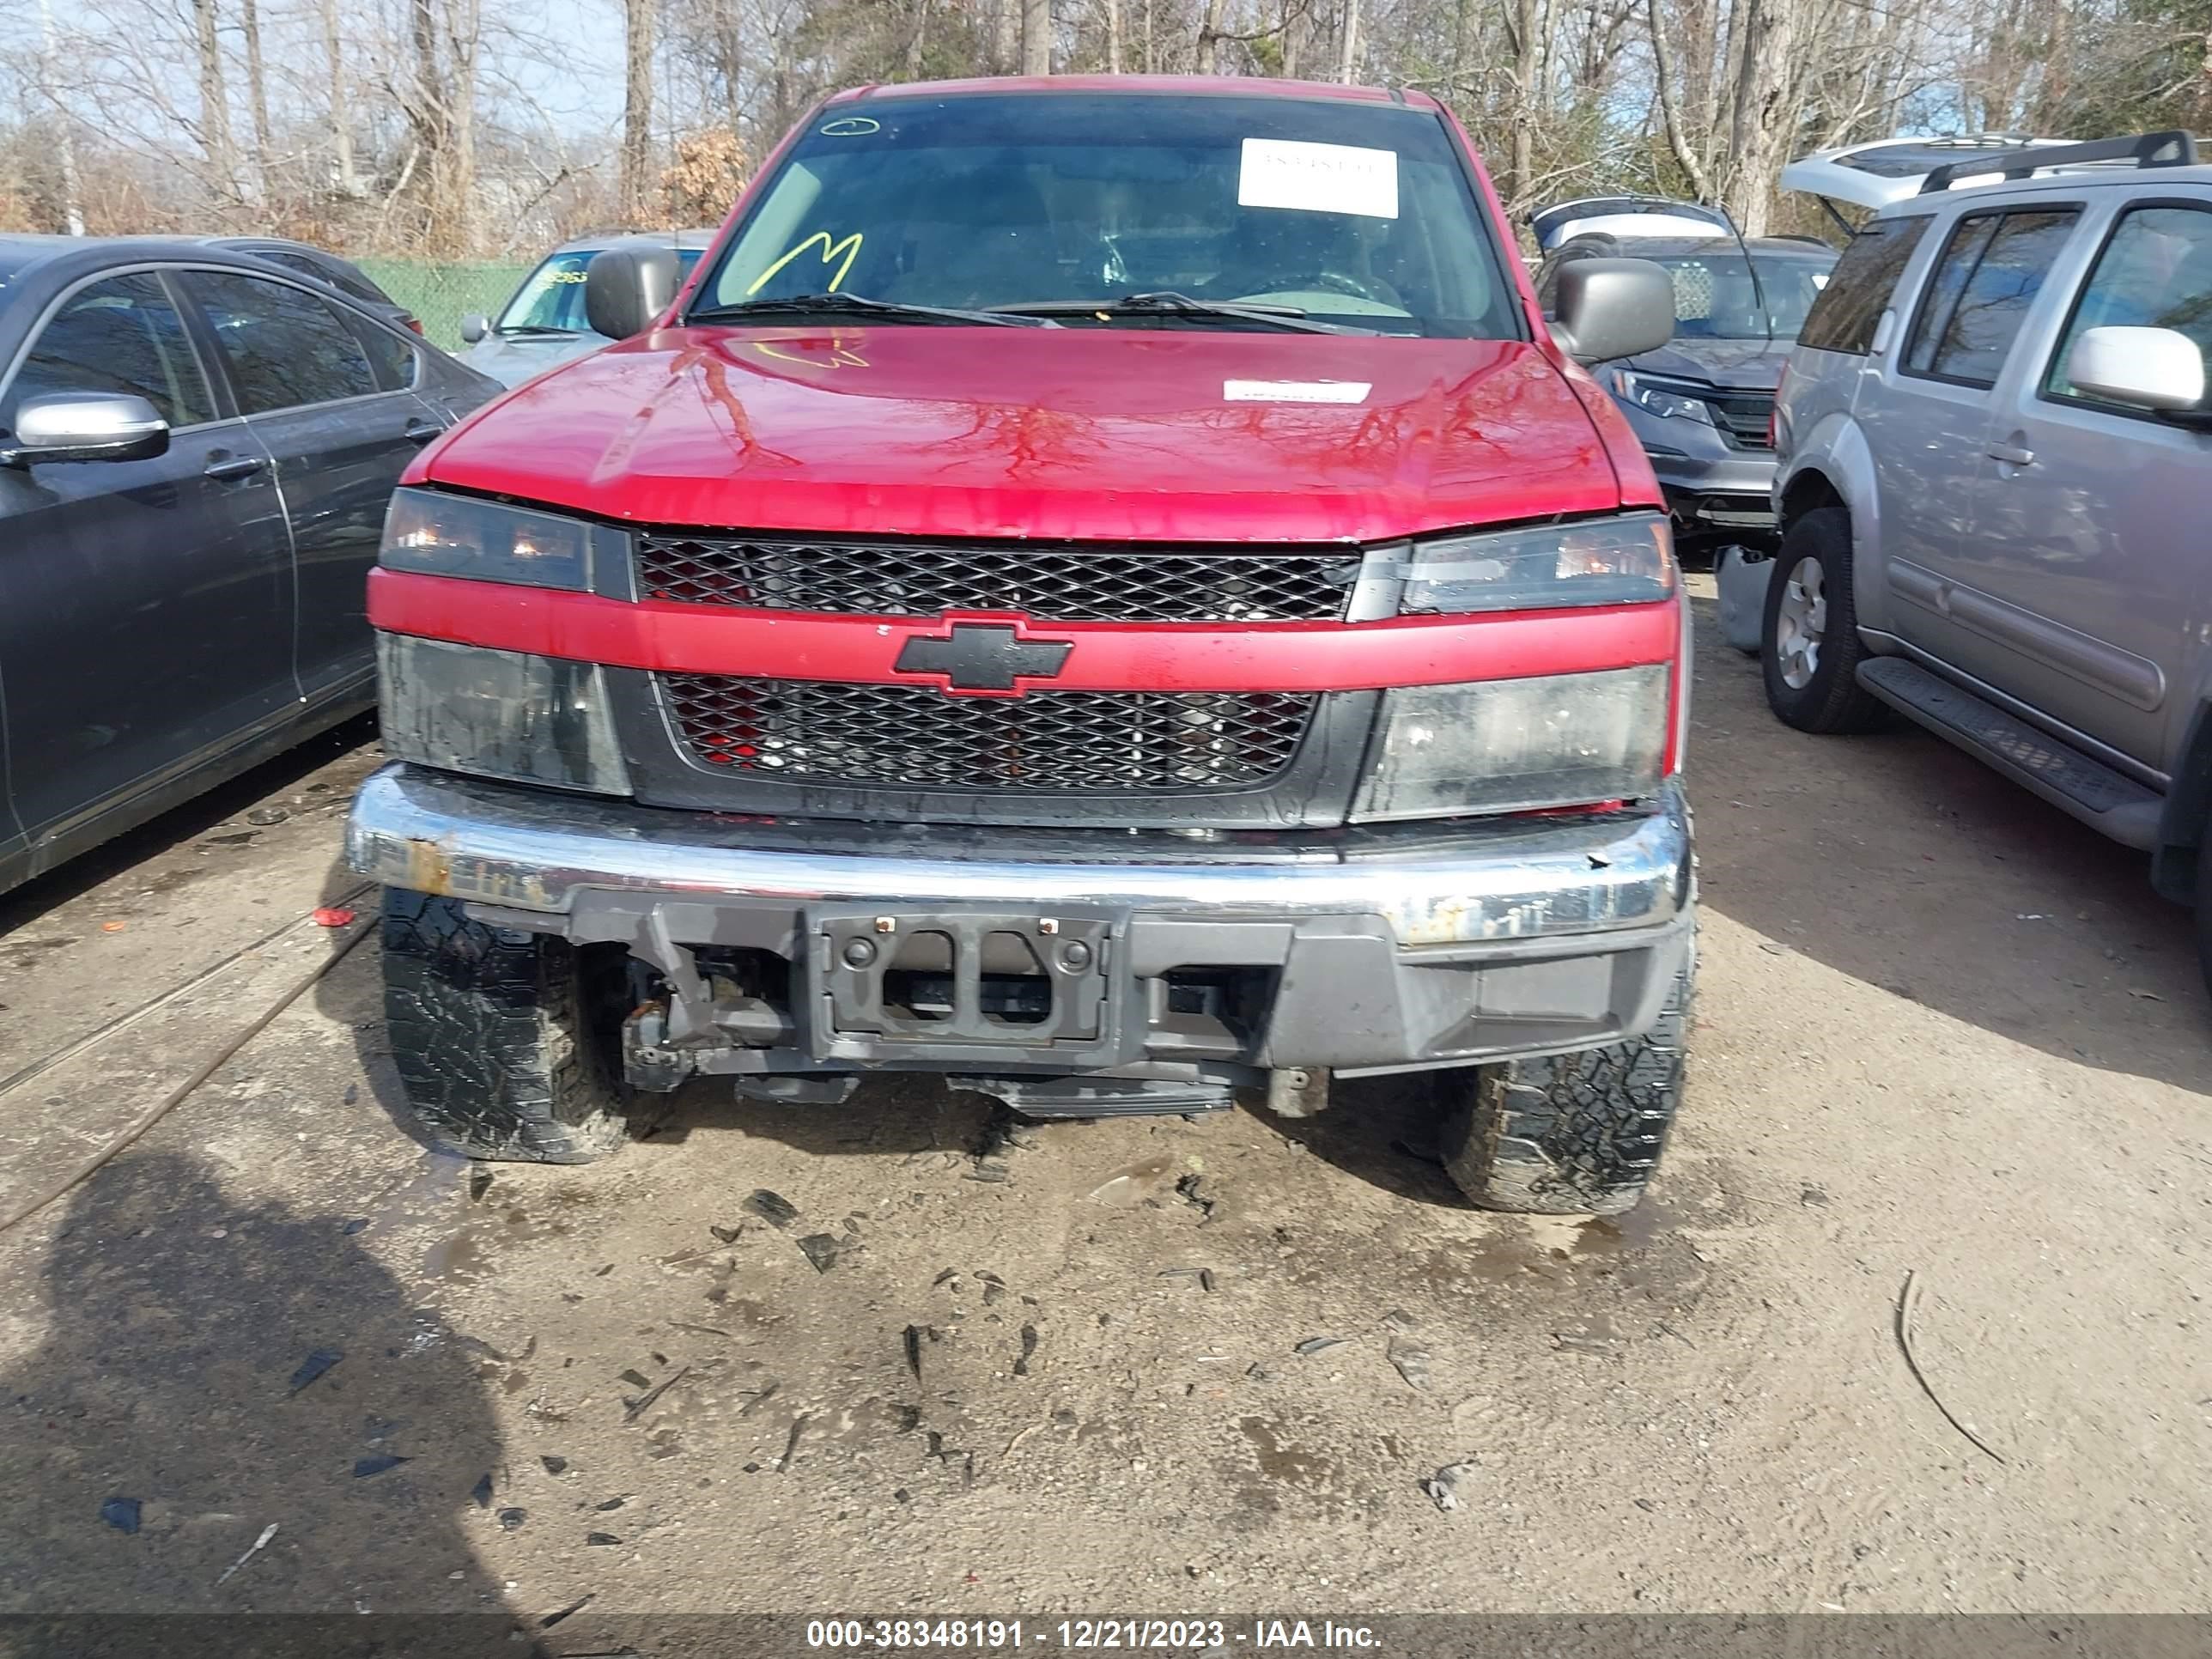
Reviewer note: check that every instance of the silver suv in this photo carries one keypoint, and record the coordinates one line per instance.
(1996, 483)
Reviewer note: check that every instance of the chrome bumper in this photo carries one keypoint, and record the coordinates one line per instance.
(537, 850)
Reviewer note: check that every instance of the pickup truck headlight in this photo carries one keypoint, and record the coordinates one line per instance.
(441, 535)
(499, 715)
(1626, 560)
(1660, 400)
(1517, 745)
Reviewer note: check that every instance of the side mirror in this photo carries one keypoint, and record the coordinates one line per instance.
(84, 426)
(1610, 308)
(474, 327)
(2154, 369)
(625, 288)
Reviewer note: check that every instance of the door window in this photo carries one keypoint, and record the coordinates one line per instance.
(1843, 318)
(2156, 271)
(396, 362)
(283, 346)
(117, 335)
(1984, 285)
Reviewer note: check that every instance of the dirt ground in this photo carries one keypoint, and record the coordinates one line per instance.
(1942, 1031)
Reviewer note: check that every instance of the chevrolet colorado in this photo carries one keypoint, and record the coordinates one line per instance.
(1109, 592)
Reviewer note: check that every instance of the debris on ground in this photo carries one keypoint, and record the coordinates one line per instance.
(1028, 1347)
(1206, 1281)
(791, 1445)
(511, 1520)
(121, 1513)
(773, 1208)
(637, 1407)
(359, 1224)
(252, 1550)
(1908, 1300)
(988, 1169)
(312, 1367)
(480, 1184)
(1444, 1486)
(364, 1467)
(481, 1492)
(262, 817)
(821, 1250)
(570, 1611)
(911, 1340)
(601, 1539)
(555, 1464)
(1412, 1361)
(609, 1506)
(331, 916)
(1187, 1189)
(727, 1235)
(1314, 1345)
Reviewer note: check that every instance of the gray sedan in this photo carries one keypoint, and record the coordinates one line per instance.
(543, 324)
(195, 452)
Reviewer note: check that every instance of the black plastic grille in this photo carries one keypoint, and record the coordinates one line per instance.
(1744, 417)
(1063, 584)
(1056, 742)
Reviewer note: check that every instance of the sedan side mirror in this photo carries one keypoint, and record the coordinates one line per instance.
(1610, 308)
(84, 426)
(625, 288)
(474, 327)
(2161, 369)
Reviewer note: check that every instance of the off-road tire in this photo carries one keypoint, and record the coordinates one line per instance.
(502, 1038)
(1832, 700)
(1568, 1134)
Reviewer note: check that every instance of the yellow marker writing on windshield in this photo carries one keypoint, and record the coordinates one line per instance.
(850, 247)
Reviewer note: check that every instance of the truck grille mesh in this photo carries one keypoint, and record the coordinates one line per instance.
(1743, 416)
(1062, 584)
(1056, 742)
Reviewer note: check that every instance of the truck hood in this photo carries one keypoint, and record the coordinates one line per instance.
(1076, 434)
(1730, 365)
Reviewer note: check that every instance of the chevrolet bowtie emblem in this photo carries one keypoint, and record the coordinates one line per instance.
(982, 657)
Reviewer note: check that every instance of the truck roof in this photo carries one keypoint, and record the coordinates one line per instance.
(1156, 86)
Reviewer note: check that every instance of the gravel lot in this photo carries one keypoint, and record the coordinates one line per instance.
(1942, 1031)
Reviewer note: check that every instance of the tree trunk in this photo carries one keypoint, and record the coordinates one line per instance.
(1036, 37)
(1005, 37)
(1293, 37)
(1766, 108)
(1670, 111)
(348, 184)
(1113, 37)
(917, 39)
(65, 133)
(215, 106)
(637, 109)
(1208, 56)
(1531, 74)
(257, 91)
(1347, 68)
(1152, 61)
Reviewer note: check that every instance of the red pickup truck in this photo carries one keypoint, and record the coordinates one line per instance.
(1108, 591)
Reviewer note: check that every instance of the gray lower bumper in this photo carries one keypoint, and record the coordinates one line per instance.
(1376, 951)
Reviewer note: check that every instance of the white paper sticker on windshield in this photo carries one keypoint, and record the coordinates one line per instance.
(1283, 173)
(1295, 391)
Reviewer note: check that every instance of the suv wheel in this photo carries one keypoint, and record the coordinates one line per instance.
(1568, 1134)
(1809, 646)
(504, 1040)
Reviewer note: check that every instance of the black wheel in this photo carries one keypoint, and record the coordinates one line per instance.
(504, 1040)
(1569, 1134)
(1809, 641)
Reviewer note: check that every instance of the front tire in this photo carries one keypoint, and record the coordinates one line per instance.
(1809, 646)
(1569, 1134)
(503, 1040)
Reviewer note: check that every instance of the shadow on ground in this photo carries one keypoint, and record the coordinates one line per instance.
(214, 1370)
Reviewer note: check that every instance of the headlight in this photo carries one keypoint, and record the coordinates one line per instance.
(442, 535)
(499, 715)
(1660, 400)
(1517, 745)
(1620, 561)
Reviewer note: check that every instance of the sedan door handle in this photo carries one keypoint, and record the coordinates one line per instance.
(2011, 454)
(420, 432)
(235, 466)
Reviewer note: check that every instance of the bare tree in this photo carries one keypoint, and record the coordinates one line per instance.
(349, 183)
(1036, 37)
(215, 103)
(637, 170)
(257, 94)
(1347, 68)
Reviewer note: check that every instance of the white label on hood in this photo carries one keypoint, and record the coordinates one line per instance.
(1295, 391)
(1284, 172)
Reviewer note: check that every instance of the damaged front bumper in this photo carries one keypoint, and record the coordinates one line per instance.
(797, 949)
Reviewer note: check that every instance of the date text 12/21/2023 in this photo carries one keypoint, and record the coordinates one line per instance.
(1198, 1636)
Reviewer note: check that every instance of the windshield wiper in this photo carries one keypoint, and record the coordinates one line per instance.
(1171, 304)
(532, 328)
(855, 304)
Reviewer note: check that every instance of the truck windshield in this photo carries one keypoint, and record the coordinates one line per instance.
(551, 298)
(1344, 213)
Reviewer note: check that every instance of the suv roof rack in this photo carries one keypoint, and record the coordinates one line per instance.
(2173, 148)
